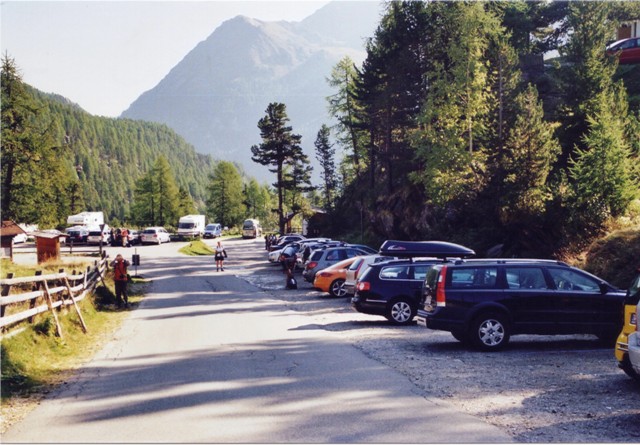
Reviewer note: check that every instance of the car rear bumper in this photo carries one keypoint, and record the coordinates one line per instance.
(361, 304)
(437, 320)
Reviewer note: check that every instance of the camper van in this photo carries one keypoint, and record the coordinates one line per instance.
(191, 225)
(251, 228)
(86, 219)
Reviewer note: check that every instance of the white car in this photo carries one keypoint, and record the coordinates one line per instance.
(97, 236)
(274, 256)
(358, 267)
(634, 347)
(154, 235)
(20, 238)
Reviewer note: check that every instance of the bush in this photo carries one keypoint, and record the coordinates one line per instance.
(615, 258)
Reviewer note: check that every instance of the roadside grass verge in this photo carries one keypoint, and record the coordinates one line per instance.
(195, 248)
(49, 267)
(34, 360)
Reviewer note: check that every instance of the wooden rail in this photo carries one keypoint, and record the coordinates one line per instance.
(49, 293)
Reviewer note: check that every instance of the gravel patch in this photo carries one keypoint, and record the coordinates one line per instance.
(540, 389)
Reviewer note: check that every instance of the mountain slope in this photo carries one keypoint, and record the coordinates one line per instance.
(215, 96)
(108, 156)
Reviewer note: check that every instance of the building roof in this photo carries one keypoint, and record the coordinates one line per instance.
(48, 234)
(10, 228)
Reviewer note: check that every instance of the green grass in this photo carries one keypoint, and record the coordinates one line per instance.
(36, 358)
(195, 248)
(20, 270)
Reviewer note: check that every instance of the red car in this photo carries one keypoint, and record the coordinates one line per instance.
(628, 50)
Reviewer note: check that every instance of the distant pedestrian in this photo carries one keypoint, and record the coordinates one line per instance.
(124, 233)
(220, 255)
(121, 278)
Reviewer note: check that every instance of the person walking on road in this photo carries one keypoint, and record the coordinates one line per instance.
(120, 278)
(220, 255)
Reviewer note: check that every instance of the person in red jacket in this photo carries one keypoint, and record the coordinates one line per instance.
(120, 278)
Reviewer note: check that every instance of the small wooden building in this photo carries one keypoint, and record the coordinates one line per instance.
(48, 245)
(8, 231)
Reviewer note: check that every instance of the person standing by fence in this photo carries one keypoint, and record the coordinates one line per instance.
(121, 278)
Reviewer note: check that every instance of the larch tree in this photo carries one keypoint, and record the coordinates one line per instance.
(225, 202)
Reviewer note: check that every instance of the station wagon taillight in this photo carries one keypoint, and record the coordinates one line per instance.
(311, 265)
(441, 297)
(363, 286)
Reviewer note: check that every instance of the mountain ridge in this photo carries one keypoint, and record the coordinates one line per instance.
(216, 94)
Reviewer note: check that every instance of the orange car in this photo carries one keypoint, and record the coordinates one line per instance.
(332, 278)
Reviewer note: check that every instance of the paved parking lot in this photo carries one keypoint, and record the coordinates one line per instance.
(540, 389)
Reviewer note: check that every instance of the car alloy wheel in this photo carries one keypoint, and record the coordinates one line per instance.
(490, 332)
(337, 288)
(401, 312)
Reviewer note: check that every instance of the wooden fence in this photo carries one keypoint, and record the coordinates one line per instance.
(49, 293)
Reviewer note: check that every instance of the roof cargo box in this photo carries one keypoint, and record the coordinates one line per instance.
(438, 249)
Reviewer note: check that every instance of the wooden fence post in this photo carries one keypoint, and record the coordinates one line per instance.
(75, 304)
(35, 287)
(50, 304)
(6, 289)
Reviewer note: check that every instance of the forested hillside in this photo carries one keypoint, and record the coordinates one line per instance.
(109, 155)
(101, 159)
(455, 130)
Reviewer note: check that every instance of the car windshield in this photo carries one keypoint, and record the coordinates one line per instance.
(149, 232)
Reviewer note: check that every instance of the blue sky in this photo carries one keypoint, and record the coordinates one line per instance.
(102, 55)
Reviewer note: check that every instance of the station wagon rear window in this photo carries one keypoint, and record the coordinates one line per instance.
(395, 273)
(525, 278)
(474, 277)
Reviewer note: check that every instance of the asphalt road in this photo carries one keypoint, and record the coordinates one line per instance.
(209, 358)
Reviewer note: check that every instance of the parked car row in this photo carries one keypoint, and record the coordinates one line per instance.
(482, 302)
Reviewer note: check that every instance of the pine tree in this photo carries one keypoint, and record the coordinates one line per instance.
(588, 70)
(325, 154)
(156, 200)
(456, 117)
(279, 148)
(225, 202)
(186, 205)
(602, 171)
(343, 105)
(529, 152)
(34, 177)
(167, 193)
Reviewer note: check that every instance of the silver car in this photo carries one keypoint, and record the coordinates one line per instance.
(154, 235)
(324, 258)
(358, 267)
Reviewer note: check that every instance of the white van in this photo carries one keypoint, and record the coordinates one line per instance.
(251, 228)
